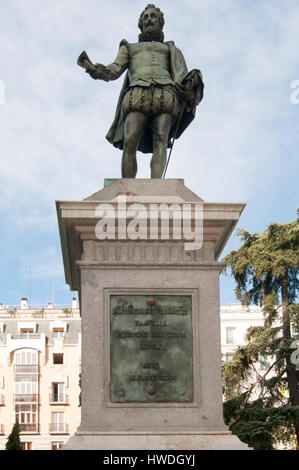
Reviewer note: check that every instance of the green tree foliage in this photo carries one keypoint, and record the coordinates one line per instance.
(67, 312)
(13, 440)
(262, 408)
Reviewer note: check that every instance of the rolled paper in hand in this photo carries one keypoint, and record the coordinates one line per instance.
(85, 62)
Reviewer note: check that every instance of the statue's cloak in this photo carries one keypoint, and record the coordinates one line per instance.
(179, 74)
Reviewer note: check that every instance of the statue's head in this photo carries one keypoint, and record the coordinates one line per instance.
(151, 19)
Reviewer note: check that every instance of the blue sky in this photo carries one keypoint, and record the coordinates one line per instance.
(242, 146)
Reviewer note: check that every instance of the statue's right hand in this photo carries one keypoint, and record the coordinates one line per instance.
(98, 73)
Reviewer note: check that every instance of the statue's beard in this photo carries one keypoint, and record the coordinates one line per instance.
(151, 36)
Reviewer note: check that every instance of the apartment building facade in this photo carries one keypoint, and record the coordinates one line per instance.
(40, 366)
(235, 321)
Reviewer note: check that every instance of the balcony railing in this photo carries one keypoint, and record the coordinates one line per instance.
(26, 336)
(27, 368)
(59, 398)
(26, 398)
(26, 427)
(58, 428)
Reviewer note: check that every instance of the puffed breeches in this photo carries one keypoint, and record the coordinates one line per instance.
(152, 100)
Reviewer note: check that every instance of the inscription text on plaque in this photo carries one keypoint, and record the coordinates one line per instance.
(151, 349)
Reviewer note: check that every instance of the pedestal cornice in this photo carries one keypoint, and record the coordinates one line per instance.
(78, 219)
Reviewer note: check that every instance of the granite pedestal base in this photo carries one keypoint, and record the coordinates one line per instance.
(221, 440)
(132, 398)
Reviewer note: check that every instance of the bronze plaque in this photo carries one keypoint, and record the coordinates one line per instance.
(151, 349)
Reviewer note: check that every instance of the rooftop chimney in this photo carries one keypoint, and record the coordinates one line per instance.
(24, 303)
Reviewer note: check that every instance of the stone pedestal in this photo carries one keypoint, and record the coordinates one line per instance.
(170, 398)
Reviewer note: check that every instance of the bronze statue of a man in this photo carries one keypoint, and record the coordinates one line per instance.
(158, 98)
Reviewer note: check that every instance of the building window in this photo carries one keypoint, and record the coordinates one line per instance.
(25, 388)
(57, 445)
(26, 332)
(58, 393)
(58, 422)
(58, 333)
(58, 358)
(230, 335)
(26, 357)
(229, 356)
(26, 416)
(26, 445)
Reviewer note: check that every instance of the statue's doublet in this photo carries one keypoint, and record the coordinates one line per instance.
(146, 62)
(149, 64)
